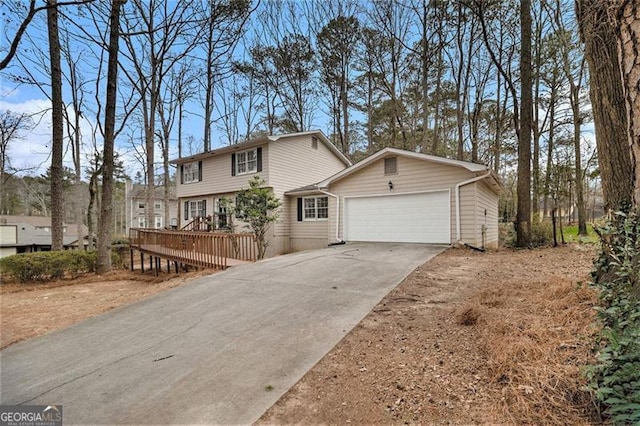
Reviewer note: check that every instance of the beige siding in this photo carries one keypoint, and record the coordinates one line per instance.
(467, 214)
(487, 201)
(294, 163)
(8, 234)
(216, 176)
(412, 176)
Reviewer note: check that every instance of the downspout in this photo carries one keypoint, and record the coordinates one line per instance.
(458, 186)
(338, 239)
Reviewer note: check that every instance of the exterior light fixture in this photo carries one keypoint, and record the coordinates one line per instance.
(390, 185)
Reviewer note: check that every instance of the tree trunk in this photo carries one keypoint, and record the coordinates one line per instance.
(607, 102)
(628, 44)
(103, 263)
(523, 226)
(57, 143)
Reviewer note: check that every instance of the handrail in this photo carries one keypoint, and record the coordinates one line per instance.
(207, 249)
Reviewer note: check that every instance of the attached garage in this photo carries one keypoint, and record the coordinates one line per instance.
(409, 218)
(403, 196)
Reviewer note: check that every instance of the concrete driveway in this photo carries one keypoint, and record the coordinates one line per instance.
(219, 350)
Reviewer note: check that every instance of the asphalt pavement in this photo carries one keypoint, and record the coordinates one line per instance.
(218, 350)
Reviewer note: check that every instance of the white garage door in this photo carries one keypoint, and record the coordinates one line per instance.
(409, 218)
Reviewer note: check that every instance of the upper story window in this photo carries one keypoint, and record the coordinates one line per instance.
(316, 208)
(141, 205)
(245, 162)
(191, 172)
(390, 165)
(157, 205)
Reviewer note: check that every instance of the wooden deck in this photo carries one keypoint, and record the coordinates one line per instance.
(200, 249)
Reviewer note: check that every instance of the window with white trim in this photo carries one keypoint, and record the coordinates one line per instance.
(191, 172)
(197, 209)
(247, 162)
(222, 221)
(316, 208)
(142, 222)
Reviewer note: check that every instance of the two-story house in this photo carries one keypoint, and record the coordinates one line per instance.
(136, 207)
(391, 196)
(284, 162)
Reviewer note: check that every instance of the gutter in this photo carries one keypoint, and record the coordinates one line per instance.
(458, 186)
(338, 239)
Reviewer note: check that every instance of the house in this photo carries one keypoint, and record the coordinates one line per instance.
(26, 234)
(284, 162)
(393, 195)
(136, 201)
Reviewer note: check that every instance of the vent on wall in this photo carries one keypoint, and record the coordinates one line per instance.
(314, 142)
(390, 166)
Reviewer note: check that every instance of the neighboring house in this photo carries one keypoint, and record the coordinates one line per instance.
(26, 234)
(393, 195)
(136, 203)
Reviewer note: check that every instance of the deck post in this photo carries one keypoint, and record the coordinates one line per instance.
(131, 258)
(142, 261)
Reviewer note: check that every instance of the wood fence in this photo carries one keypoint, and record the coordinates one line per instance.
(202, 249)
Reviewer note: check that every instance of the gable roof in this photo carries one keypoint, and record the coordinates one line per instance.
(262, 141)
(389, 152)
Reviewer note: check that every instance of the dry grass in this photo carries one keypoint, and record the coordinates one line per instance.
(537, 338)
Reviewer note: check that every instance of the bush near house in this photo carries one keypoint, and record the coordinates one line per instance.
(47, 265)
(616, 377)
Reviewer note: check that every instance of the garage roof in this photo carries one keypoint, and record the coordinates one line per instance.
(388, 152)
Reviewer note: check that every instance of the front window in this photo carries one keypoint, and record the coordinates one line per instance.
(141, 205)
(158, 222)
(157, 205)
(316, 208)
(247, 162)
(196, 209)
(191, 172)
(142, 222)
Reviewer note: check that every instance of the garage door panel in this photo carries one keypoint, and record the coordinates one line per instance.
(413, 218)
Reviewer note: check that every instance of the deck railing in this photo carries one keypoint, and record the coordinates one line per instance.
(207, 249)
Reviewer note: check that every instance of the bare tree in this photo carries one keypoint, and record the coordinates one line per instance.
(523, 220)
(57, 138)
(103, 263)
(11, 127)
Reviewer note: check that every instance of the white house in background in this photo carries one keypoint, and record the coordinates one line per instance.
(391, 196)
(136, 202)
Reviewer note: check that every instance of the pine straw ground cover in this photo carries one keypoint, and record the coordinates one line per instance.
(468, 338)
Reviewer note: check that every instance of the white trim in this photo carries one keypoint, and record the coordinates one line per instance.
(246, 162)
(315, 208)
(338, 239)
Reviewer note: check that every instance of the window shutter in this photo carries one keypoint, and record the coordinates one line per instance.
(233, 164)
(300, 210)
(259, 159)
(204, 208)
(199, 171)
(186, 210)
(181, 173)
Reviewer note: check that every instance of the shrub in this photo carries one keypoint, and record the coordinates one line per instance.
(541, 232)
(615, 379)
(46, 265)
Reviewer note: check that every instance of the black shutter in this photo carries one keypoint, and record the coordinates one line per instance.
(233, 164)
(181, 173)
(199, 171)
(259, 158)
(186, 210)
(300, 210)
(204, 208)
